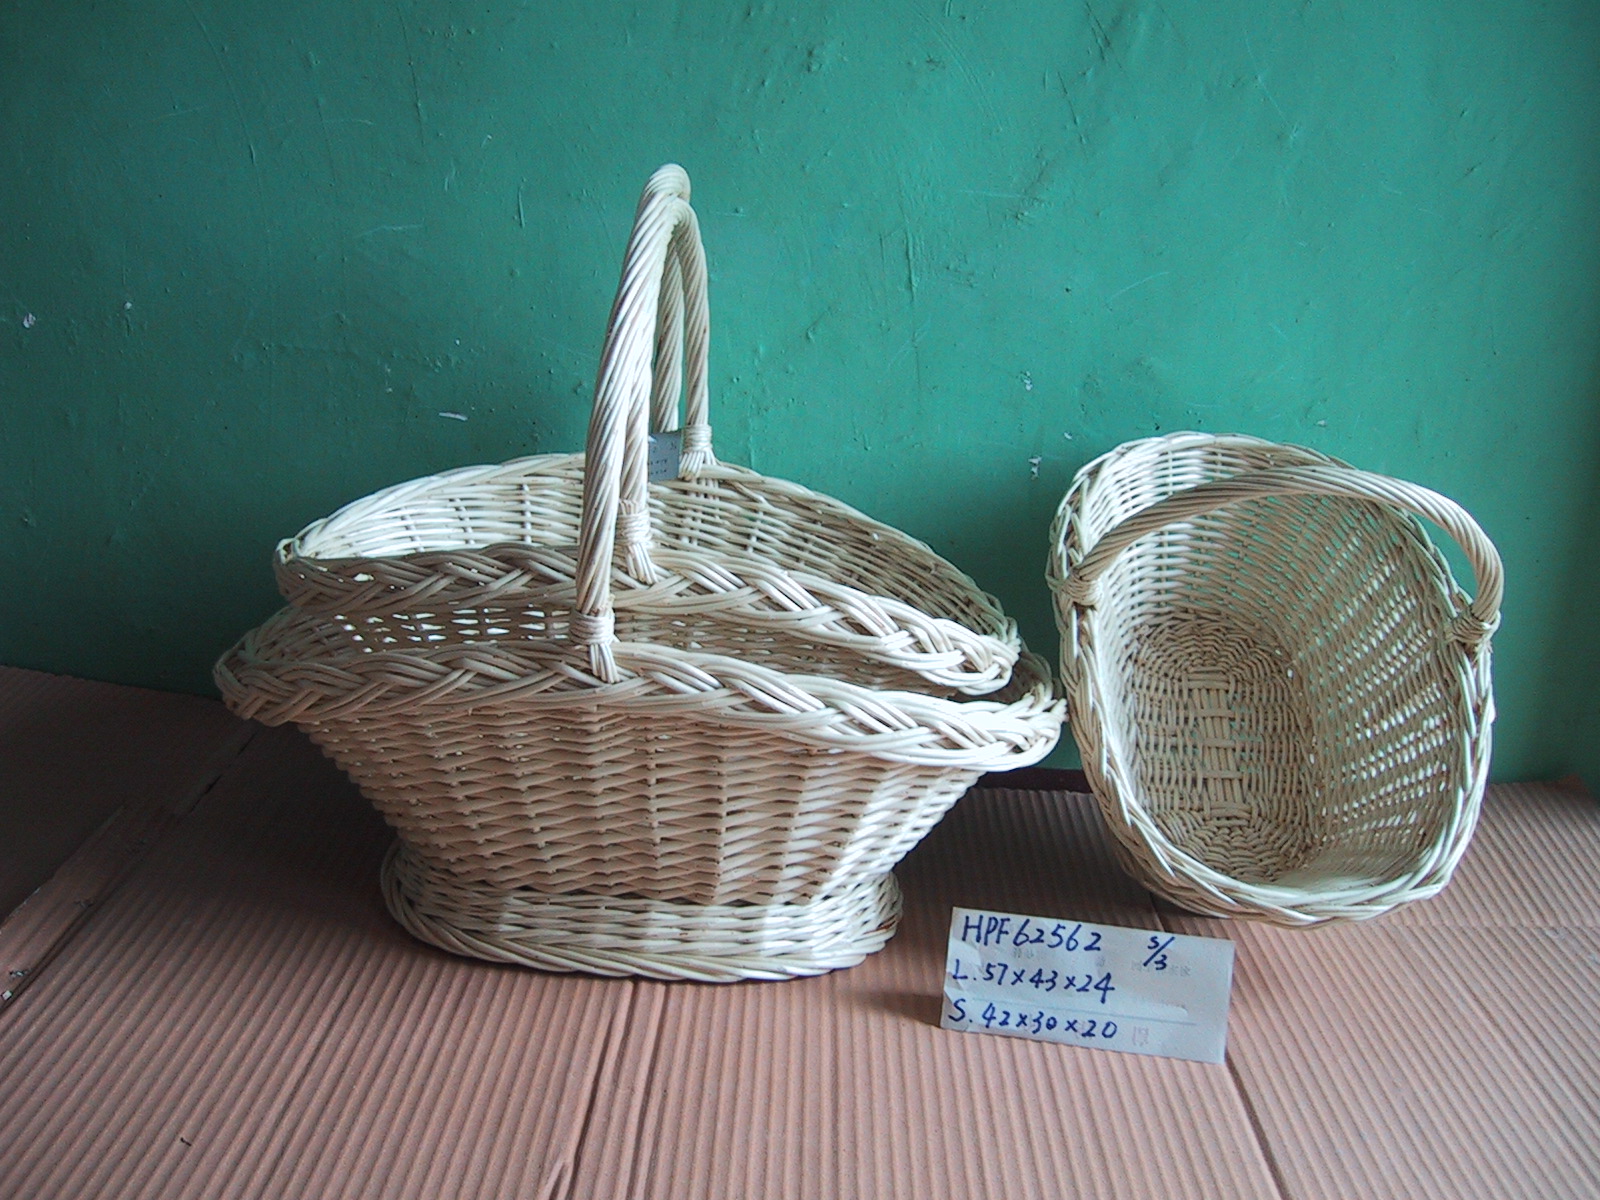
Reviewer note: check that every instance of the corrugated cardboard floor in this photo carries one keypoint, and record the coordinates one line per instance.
(206, 998)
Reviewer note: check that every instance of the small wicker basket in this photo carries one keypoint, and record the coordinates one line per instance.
(680, 729)
(1281, 696)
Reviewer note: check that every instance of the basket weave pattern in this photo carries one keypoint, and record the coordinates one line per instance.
(1282, 698)
(768, 558)
(679, 729)
(509, 771)
(711, 943)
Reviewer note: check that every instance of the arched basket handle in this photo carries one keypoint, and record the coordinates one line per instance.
(1473, 624)
(660, 311)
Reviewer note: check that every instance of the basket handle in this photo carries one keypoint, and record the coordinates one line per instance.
(1472, 625)
(659, 309)
(683, 328)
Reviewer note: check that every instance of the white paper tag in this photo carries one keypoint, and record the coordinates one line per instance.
(666, 451)
(1100, 986)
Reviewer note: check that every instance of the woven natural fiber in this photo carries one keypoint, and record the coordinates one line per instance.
(680, 729)
(719, 542)
(699, 778)
(806, 581)
(1281, 695)
(710, 943)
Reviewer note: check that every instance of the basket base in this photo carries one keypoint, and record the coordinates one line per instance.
(657, 939)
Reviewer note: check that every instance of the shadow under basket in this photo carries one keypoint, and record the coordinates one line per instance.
(1281, 696)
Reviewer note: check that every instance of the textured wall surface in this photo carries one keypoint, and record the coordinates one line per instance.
(251, 252)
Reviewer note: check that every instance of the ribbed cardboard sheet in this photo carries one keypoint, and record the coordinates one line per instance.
(75, 753)
(1532, 864)
(1446, 1049)
(241, 1018)
(1396, 1062)
(844, 1086)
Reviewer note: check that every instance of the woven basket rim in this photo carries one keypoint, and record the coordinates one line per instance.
(301, 553)
(556, 464)
(898, 725)
(953, 632)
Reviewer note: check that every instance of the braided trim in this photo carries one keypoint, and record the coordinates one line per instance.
(742, 591)
(748, 590)
(284, 672)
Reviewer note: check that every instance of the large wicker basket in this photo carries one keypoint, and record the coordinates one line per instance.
(680, 729)
(1281, 696)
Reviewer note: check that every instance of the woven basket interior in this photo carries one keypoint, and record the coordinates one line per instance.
(537, 502)
(1281, 691)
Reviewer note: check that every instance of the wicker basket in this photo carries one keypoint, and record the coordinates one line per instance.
(679, 729)
(1281, 695)
(799, 579)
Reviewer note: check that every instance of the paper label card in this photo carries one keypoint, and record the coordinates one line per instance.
(1102, 986)
(664, 454)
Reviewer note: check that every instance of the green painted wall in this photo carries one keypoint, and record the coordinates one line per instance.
(250, 252)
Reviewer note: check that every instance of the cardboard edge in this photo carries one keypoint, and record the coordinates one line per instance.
(38, 928)
(1037, 779)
